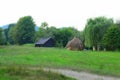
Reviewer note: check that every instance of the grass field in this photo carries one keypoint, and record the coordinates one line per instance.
(107, 63)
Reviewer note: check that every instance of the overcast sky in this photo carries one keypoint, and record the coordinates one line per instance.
(58, 13)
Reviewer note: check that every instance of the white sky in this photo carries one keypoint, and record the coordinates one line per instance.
(58, 13)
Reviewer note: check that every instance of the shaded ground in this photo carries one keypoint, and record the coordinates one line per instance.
(81, 75)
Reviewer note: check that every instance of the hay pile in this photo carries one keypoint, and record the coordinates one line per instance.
(75, 44)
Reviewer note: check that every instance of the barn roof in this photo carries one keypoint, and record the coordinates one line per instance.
(43, 40)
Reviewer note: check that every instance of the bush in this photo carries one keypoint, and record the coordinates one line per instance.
(2, 37)
(111, 39)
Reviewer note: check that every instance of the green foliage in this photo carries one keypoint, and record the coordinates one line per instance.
(8, 39)
(94, 31)
(112, 38)
(42, 31)
(61, 35)
(2, 37)
(25, 30)
(44, 25)
(47, 32)
(11, 34)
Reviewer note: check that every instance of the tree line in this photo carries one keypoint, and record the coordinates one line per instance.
(100, 33)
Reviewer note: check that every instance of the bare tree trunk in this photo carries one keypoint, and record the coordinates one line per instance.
(104, 49)
(98, 48)
(94, 49)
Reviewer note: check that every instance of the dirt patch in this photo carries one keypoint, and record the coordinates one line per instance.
(81, 75)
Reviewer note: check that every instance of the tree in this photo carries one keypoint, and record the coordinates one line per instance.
(11, 35)
(60, 35)
(65, 34)
(8, 39)
(94, 31)
(43, 30)
(51, 31)
(25, 30)
(44, 25)
(111, 39)
(2, 37)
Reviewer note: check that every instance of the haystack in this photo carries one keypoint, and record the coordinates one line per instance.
(75, 44)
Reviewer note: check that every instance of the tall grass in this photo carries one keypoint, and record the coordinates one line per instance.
(15, 72)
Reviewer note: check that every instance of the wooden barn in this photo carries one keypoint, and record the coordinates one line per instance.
(45, 42)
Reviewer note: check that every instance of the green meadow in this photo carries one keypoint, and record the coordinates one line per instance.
(102, 62)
